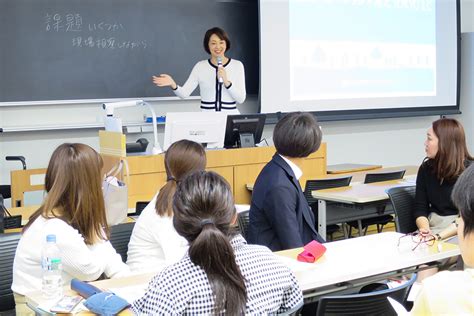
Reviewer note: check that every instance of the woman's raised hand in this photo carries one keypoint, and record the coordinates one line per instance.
(164, 80)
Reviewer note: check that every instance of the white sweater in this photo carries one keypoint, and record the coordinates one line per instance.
(204, 74)
(154, 244)
(85, 262)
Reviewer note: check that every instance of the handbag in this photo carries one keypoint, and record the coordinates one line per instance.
(116, 194)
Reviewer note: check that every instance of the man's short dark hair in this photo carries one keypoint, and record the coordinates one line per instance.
(297, 135)
(463, 198)
(219, 33)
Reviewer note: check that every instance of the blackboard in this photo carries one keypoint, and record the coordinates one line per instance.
(102, 49)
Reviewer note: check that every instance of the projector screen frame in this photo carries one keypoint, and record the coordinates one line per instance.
(378, 113)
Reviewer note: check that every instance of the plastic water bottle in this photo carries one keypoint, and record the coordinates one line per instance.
(52, 269)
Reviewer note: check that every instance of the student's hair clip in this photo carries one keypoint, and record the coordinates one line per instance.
(206, 221)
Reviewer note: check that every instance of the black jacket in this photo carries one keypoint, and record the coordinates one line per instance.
(280, 217)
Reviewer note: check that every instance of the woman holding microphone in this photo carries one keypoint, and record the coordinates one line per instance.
(221, 79)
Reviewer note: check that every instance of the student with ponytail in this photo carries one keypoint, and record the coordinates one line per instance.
(154, 243)
(220, 274)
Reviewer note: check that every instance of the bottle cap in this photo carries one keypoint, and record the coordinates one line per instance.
(51, 238)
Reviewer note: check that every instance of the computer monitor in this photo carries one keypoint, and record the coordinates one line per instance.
(206, 128)
(244, 130)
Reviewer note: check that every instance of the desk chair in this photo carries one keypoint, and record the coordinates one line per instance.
(403, 203)
(120, 237)
(373, 303)
(139, 207)
(8, 244)
(5, 190)
(380, 220)
(243, 220)
(7, 221)
(321, 184)
(384, 176)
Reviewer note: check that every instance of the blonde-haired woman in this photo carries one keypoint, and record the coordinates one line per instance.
(73, 210)
(155, 243)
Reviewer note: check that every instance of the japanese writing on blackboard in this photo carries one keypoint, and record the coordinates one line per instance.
(91, 34)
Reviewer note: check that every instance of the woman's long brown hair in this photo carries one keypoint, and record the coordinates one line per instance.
(182, 158)
(452, 154)
(203, 212)
(74, 191)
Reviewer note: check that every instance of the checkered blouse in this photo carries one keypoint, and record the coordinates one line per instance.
(183, 288)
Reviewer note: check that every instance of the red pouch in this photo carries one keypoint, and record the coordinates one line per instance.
(312, 252)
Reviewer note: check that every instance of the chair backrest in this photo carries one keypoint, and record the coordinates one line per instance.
(2, 215)
(321, 184)
(120, 237)
(243, 219)
(373, 303)
(5, 191)
(28, 180)
(8, 244)
(140, 206)
(403, 203)
(384, 176)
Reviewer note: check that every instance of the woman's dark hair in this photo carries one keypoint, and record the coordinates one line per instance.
(452, 154)
(220, 33)
(203, 213)
(181, 158)
(297, 135)
(463, 198)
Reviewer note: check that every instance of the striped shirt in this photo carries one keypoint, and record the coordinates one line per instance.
(215, 96)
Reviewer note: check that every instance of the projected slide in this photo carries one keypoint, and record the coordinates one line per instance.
(346, 49)
(358, 55)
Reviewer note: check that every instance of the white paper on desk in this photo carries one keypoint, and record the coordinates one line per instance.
(130, 293)
(113, 124)
(47, 305)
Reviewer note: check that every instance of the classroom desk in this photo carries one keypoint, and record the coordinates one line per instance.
(346, 264)
(355, 262)
(350, 167)
(138, 282)
(359, 176)
(361, 196)
(238, 166)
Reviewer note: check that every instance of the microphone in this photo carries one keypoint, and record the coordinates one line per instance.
(219, 64)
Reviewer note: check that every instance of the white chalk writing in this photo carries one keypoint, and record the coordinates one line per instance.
(104, 43)
(74, 22)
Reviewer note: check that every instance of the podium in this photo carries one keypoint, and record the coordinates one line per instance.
(238, 166)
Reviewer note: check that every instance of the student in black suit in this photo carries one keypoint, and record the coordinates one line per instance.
(280, 217)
